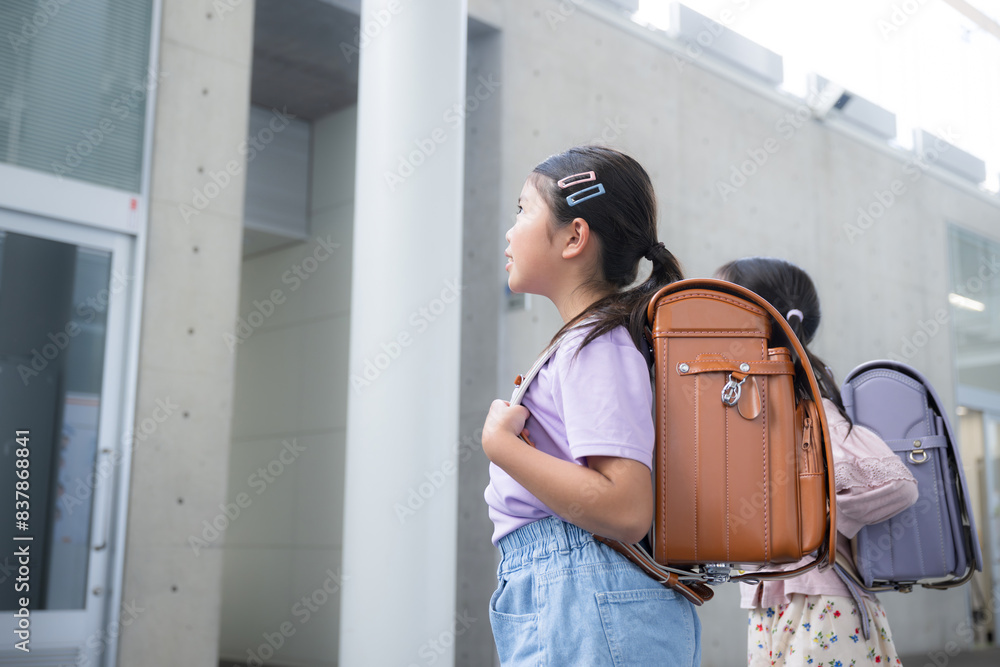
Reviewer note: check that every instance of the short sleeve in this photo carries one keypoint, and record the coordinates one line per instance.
(606, 399)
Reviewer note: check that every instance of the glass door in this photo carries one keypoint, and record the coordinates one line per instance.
(975, 321)
(63, 295)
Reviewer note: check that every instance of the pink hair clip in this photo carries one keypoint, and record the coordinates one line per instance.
(581, 195)
(576, 179)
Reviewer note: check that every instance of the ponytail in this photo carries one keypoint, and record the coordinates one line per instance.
(628, 308)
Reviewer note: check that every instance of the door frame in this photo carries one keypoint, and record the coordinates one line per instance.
(99, 623)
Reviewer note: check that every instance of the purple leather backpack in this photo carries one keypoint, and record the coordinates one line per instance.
(933, 543)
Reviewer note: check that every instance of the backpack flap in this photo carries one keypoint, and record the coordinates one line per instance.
(734, 484)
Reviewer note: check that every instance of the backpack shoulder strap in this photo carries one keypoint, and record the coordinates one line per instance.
(523, 381)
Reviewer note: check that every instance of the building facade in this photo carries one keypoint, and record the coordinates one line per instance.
(253, 311)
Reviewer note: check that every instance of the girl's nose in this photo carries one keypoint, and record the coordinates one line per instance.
(507, 235)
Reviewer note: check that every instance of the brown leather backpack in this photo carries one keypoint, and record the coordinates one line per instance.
(742, 470)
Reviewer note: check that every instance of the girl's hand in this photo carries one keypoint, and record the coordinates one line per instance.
(503, 424)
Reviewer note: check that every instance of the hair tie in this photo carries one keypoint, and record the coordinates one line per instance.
(651, 253)
(793, 312)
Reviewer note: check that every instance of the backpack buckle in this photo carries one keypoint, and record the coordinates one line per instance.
(717, 573)
(731, 392)
(917, 451)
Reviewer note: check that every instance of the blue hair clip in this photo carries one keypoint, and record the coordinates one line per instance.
(577, 179)
(594, 190)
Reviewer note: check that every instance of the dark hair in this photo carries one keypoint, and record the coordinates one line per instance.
(623, 220)
(787, 287)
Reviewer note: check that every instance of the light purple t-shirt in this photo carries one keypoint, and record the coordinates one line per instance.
(598, 404)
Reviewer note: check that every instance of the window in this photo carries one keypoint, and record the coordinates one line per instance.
(975, 307)
(73, 86)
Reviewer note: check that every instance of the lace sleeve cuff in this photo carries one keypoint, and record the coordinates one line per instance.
(870, 473)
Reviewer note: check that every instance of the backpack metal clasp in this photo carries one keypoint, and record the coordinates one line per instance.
(717, 573)
(731, 392)
(916, 450)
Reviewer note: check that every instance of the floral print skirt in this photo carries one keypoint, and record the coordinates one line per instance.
(819, 630)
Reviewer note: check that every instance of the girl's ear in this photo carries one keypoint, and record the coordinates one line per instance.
(577, 238)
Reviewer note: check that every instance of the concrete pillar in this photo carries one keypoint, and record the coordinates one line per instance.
(398, 599)
(190, 303)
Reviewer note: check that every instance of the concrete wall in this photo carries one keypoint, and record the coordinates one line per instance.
(190, 301)
(289, 420)
(571, 78)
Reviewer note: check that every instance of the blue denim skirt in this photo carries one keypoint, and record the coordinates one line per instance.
(566, 600)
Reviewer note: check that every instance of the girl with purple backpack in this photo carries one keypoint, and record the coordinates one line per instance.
(813, 619)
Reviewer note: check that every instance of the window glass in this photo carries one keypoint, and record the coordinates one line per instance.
(73, 86)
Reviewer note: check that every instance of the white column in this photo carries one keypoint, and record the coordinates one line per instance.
(398, 596)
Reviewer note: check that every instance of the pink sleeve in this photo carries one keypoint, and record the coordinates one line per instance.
(872, 483)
